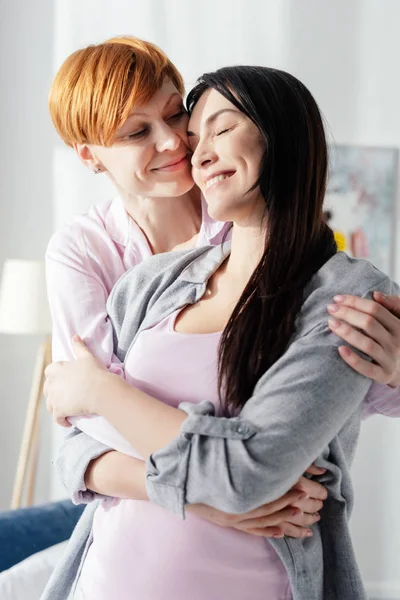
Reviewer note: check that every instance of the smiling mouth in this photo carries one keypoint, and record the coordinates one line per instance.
(174, 166)
(218, 178)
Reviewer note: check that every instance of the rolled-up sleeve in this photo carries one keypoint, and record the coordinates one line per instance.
(297, 410)
(238, 464)
(76, 452)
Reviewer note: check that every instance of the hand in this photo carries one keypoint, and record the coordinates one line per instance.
(71, 387)
(373, 327)
(290, 515)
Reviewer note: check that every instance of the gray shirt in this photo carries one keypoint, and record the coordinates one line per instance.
(305, 408)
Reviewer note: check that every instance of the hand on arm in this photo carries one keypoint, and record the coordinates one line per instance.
(373, 327)
(120, 476)
(85, 386)
(115, 474)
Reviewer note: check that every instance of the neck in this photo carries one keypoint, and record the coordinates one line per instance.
(248, 243)
(167, 223)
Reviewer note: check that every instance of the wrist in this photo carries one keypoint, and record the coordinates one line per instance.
(104, 392)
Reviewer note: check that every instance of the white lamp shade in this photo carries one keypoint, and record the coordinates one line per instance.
(23, 299)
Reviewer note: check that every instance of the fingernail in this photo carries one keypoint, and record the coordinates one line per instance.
(334, 323)
(317, 517)
(345, 350)
(339, 298)
(333, 308)
(277, 535)
(296, 512)
(380, 295)
(309, 533)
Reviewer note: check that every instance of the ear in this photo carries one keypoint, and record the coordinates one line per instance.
(88, 158)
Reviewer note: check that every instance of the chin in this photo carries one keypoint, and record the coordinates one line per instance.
(175, 189)
(220, 211)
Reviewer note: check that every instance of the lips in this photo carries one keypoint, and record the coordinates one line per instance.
(217, 178)
(172, 163)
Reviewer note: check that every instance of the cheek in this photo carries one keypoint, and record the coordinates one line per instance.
(137, 161)
(181, 130)
(196, 177)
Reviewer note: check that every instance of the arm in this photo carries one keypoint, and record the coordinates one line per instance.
(237, 464)
(297, 409)
(77, 298)
(373, 327)
(90, 469)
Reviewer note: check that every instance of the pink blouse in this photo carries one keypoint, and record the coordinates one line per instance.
(141, 550)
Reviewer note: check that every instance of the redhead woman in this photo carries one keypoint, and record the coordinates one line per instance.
(242, 326)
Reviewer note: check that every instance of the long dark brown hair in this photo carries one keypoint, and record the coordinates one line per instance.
(292, 180)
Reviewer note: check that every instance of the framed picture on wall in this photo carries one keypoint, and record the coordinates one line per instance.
(360, 203)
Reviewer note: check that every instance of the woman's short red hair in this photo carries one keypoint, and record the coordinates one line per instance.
(96, 88)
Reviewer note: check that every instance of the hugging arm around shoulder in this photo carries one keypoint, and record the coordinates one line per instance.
(298, 407)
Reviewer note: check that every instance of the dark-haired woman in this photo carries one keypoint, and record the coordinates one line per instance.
(235, 383)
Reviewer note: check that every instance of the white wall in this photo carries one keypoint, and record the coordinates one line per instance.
(26, 38)
(346, 52)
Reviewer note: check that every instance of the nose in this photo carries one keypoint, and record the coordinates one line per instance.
(203, 156)
(167, 138)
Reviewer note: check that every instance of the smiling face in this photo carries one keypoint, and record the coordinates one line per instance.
(149, 156)
(227, 151)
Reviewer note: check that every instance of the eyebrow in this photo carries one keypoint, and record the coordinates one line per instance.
(212, 118)
(168, 102)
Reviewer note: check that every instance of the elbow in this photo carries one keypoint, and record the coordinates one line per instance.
(251, 492)
(250, 486)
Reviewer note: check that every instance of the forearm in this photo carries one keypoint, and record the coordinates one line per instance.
(147, 423)
(117, 475)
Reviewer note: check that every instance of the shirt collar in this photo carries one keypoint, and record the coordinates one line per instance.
(211, 228)
(207, 261)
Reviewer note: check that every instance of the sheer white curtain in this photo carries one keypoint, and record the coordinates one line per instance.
(346, 52)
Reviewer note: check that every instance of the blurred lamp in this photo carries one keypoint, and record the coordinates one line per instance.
(24, 311)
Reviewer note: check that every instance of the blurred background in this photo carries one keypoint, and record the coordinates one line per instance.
(346, 52)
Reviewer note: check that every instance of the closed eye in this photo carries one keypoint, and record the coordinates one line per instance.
(178, 115)
(223, 131)
(137, 134)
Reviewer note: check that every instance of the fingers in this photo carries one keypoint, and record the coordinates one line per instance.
(391, 303)
(285, 529)
(312, 488)
(269, 520)
(362, 366)
(309, 505)
(370, 322)
(294, 531)
(314, 470)
(268, 532)
(62, 421)
(267, 509)
(371, 308)
(305, 519)
(80, 348)
(364, 343)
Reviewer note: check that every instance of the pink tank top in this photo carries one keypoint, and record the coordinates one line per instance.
(140, 551)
